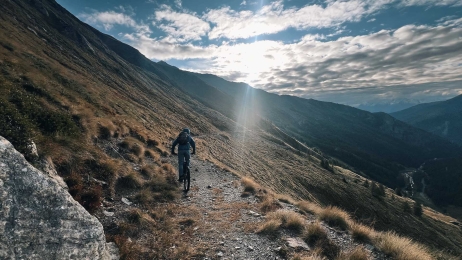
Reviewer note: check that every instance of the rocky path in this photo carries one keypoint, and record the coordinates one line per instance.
(228, 219)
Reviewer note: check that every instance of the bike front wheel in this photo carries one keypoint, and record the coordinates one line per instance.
(187, 180)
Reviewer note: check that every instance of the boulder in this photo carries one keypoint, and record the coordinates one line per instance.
(40, 220)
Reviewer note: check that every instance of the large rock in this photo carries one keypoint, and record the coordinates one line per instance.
(40, 220)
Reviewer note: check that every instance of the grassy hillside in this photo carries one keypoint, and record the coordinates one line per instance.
(373, 143)
(106, 121)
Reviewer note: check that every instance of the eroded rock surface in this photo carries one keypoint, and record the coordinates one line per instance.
(40, 220)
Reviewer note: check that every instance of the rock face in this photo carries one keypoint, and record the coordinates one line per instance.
(40, 220)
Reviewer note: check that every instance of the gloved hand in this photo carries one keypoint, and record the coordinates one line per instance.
(173, 152)
(194, 152)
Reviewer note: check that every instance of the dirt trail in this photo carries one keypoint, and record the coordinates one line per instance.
(229, 220)
(226, 216)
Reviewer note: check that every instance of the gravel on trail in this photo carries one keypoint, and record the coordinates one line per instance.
(227, 216)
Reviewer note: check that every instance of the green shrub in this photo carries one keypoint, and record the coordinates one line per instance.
(15, 127)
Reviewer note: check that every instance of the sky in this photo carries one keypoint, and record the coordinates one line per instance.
(345, 51)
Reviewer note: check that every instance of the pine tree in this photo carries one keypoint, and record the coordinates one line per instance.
(406, 207)
(418, 210)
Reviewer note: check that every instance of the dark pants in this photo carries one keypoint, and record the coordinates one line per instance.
(183, 155)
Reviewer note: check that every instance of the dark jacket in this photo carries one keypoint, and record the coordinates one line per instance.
(186, 146)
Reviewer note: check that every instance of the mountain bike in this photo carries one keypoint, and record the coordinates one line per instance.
(186, 178)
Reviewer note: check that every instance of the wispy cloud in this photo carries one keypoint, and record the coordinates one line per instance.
(408, 55)
(181, 26)
(431, 2)
(110, 18)
(275, 17)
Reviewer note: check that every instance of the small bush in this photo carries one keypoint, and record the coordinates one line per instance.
(137, 150)
(418, 210)
(309, 207)
(358, 253)
(91, 199)
(285, 199)
(148, 171)
(130, 181)
(75, 184)
(104, 132)
(406, 207)
(361, 233)
(134, 216)
(400, 248)
(152, 143)
(124, 144)
(151, 154)
(335, 217)
(314, 233)
(250, 185)
(268, 204)
(145, 197)
(289, 220)
(328, 248)
(270, 227)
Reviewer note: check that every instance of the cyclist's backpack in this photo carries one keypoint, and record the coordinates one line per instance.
(183, 138)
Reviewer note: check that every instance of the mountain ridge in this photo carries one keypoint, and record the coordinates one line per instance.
(442, 118)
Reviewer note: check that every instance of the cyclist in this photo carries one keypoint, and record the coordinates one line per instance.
(185, 142)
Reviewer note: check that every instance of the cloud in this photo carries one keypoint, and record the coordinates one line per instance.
(431, 3)
(244, 2)
(410, 55)
(273, 18)
(181, 26)
(110, 18)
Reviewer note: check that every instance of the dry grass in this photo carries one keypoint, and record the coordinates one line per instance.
(130, 181)
(270, 227)
(401, 248)
(288, 219)
(269, 204)
(151, 154)
(314, 233)
(250, 185)
(285, 198)
(361, 232)
(137, 150)
(309, 207)
(358, 253)
(335, 217)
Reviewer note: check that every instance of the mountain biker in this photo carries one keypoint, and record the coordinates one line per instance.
(185, 142)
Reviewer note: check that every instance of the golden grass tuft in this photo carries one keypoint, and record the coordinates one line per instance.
(361, 233)
(309, 207)
(358, 253)
(270, 227)
(285, 198)
(289, 220)
(314, 232)
(130, 181)
(137, 150)
(151, 154)
(269, 204)
(400, 248)
(335, 217)
(250, 185)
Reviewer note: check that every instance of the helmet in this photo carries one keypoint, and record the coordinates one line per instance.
(186, 130)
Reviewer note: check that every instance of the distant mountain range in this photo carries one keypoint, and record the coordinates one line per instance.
(443, 118)
(388, 107)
